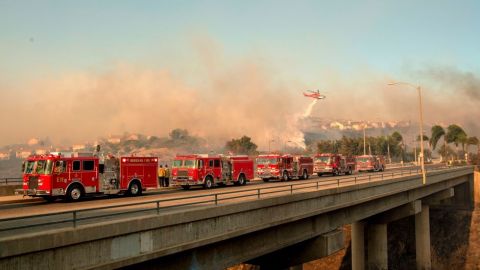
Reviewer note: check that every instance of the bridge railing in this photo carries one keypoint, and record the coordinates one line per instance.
(11, 181)
(98, 214)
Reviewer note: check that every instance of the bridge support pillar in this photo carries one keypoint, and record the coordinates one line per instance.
(358, 245)
(293, 257)
(377, 246)
(422, 238)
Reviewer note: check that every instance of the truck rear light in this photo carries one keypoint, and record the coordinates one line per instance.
(124, 160)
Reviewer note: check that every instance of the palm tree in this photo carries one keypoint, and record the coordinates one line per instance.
(397, 140)
(473, 141)
(426, 139)
(456, 135)
(437, 133)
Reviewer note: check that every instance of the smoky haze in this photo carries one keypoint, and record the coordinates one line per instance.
(449, 96)
(240, 99)
(226, 100)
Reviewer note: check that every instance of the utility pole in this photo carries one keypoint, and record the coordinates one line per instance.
(420, 109)
(388, 151)
(364, 141)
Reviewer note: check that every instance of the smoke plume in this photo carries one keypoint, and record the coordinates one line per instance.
(223, 100)
(239, 99)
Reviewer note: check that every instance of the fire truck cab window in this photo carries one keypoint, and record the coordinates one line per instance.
(189, 163)
(48, 167)
(200, 163)
(76, 165)
(216, 163)
(88, 165)
(40, 168)
(29, 166)
(210, 163)
(60, 166)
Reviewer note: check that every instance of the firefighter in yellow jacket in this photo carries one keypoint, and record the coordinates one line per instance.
(167, 175)
(161, 176)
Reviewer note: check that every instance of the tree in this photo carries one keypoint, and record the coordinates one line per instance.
(397, 137)
(456, 135)
(325, 146)
(437, 133)
(179, 134)
(473, 141)
(446, 151)
(244, 145)
(426, 139)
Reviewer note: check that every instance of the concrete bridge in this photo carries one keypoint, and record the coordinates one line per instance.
(273, 232)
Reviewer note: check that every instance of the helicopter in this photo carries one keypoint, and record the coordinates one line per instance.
(314, 94)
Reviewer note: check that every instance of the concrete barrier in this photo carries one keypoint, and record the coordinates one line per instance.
(7, 190)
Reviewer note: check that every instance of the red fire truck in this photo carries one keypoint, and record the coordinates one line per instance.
(284, 167)
(211, 170)
(370, 163)
(334, 164)
(75, 175)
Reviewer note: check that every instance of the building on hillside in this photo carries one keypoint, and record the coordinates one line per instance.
(78, 147)
(357, 126)
(40, 151)
(4, 156)
(22, 154)
(33, 141)
(114, 139)
(337, 125)
(132, 137)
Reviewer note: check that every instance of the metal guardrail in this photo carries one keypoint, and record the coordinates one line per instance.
(75, 216)
(11, 181)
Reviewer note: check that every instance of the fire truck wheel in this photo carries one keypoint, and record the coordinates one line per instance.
(241, 180)
(135, 189)
(208, 182)
(74, 193)
(285, 176)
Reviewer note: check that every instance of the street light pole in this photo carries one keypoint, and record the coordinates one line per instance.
(364, 141)
(420, 105)
(422, 156)
(388, 151)
(415, 152)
